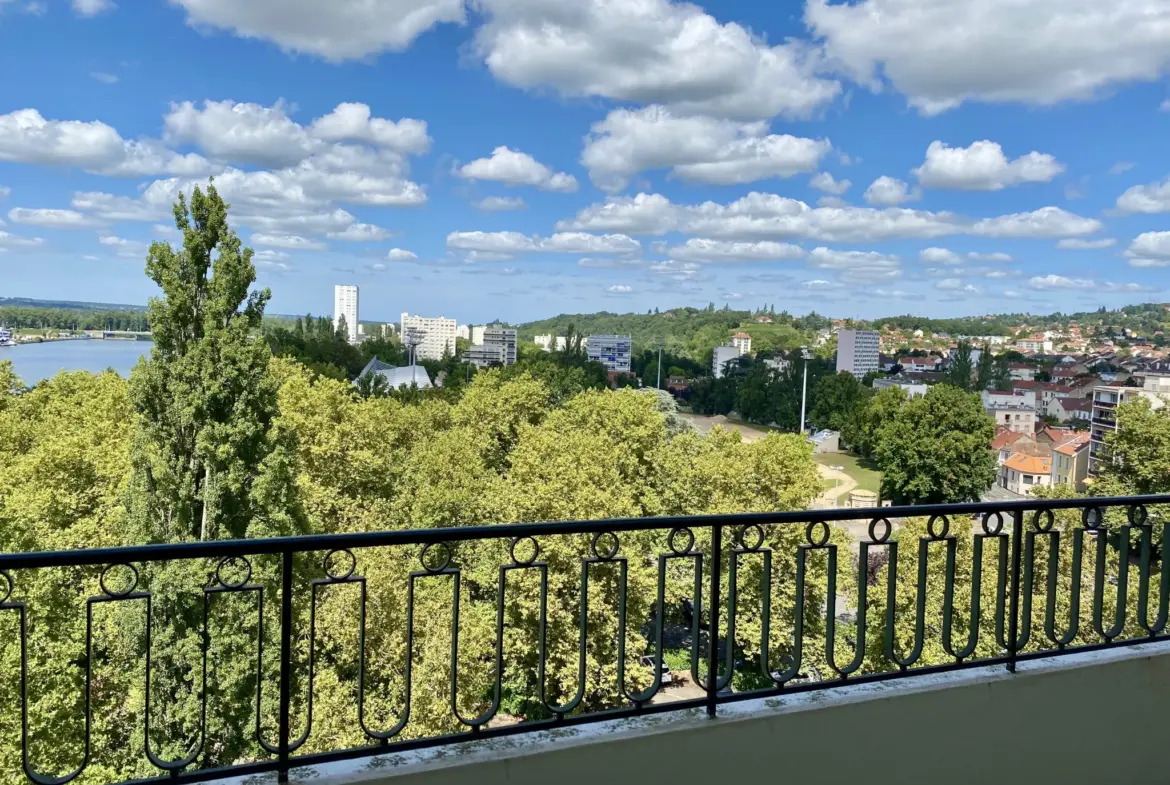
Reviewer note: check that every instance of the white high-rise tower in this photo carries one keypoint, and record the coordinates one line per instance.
(345, 303)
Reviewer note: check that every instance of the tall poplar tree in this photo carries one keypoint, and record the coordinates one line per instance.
(205, 400)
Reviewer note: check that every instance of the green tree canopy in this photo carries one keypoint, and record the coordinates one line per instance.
(204, 399)
(836, 399)
(937, 449)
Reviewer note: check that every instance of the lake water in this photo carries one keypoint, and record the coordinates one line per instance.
(36, 362)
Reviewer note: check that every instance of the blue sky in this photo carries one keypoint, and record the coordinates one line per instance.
(521, 158)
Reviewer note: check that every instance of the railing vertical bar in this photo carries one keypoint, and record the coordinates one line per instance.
(1014, 600)
(713, 630)
(286, 609)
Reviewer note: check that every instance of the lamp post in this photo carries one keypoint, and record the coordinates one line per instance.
(804, 353)
(659, 383)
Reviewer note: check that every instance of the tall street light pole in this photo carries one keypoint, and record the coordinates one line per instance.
(658, 385)
(804, 389)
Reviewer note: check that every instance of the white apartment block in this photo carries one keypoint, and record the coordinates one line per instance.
(612, 351)
(743, 342)
(720, 357)
(551, 342)
(463, 331)
(436, 336)
(857, 352)
(503, 338)
(477, 335)
(345, 303)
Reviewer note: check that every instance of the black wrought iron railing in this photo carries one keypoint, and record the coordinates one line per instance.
(193, 661)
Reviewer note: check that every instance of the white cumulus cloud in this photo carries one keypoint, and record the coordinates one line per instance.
(693, 148)
(890, 191)
(824, 181)
(338, 30)
(650, 52)
(512, 167)
(983, 167)
(942, 53)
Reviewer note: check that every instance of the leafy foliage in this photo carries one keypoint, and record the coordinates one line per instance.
(937, 448)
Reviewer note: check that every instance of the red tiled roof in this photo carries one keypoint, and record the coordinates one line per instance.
(1029, 464)
(1005, 438)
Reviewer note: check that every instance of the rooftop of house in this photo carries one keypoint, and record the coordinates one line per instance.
(1029, 464)
(1073, 446)
(1005, 438)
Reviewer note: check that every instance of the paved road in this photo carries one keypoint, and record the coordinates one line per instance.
(832, 497)
(703, 424)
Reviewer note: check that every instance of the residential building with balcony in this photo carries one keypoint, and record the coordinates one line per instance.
(503, 337)
(857, 352)
(486, 355)
(1106, 398)
(613, 351)
(435, 335)
(743, 342)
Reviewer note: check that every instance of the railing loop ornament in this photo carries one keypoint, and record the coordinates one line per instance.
(125, 592)
(608, 554)
(885, 533)
(938, 534)
(1093, 519)
(673, 543)
(327, 564)
(1048, 518)
(998, 524)
(232, 560)
(1137, 514)
(524, 562)
(742, 535)
(9, 587)
(441, 565)
(817, 542)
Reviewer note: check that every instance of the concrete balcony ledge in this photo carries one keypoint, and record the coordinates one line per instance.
(1091, 718)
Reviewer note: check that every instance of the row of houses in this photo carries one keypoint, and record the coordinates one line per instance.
(1048, 457)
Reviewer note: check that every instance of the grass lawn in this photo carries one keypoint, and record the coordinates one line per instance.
(862, 470)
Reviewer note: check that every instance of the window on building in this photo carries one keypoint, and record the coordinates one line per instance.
(1027, 479)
